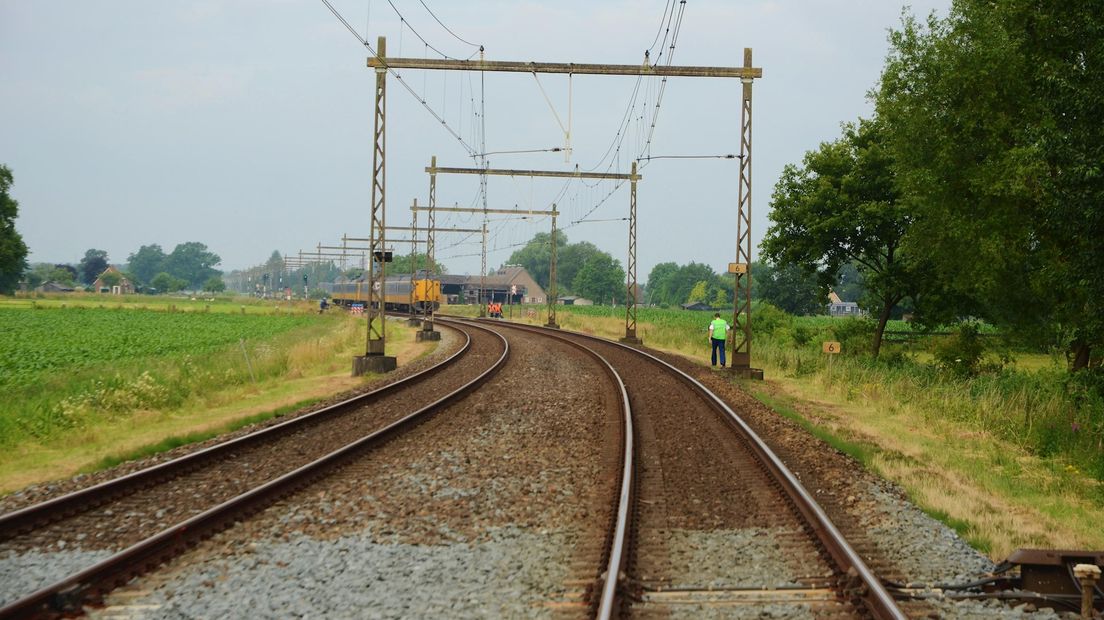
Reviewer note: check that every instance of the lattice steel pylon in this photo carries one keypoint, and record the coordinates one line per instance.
(630, 286)
(552, 279)
(413, 318)
(741, 315)
(374, 359)
(431, 239)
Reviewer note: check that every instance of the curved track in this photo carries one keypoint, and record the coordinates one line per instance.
(212, 488)
(708, 491)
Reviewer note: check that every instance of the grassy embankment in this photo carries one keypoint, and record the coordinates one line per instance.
(93, 380)
(1010, 458)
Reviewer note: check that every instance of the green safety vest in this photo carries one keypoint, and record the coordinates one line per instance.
(720, 328)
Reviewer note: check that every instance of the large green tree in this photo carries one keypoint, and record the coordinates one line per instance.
(995, 116)
(600, 279)
(671, 284)
(401, 264)
(193, 263)
(92, 265)
(660, 281)
(147, 262)
(793, 289)
(842, 206)
(536, 257)
(13, 252)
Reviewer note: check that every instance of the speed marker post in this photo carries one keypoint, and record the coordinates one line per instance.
(832, 348)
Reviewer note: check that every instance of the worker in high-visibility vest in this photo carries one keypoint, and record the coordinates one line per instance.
(718, 330)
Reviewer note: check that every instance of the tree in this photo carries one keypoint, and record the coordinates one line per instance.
(402, 265)
(64, 274)
(660, 282)
(92, 265)
(600, 278)
(994, 113)
(147, 262)
(794, 290)
(536, 257)
(192, 263)
(842, 206)
(164, 282)
(697, 293)
(13, 252)
(214, 284)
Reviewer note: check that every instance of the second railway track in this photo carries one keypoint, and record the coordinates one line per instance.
(720, 526)
(90, 525)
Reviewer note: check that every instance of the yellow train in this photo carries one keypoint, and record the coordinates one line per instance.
(396, 293)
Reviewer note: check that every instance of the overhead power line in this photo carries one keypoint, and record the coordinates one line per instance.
(449, 30)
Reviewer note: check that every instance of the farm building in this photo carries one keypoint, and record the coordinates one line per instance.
(837, 307)
(53, 287)
(572, 300)
(511, 284)
(114, 282)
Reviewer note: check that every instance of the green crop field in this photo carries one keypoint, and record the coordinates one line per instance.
(64, 369)
(38, 342)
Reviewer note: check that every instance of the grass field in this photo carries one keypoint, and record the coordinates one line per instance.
(85, 383)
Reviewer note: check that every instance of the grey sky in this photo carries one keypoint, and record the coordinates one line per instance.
(247, 125)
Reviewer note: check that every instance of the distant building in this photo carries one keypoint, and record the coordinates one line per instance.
(510, 285)
(53, 287)
(697, 305)
(572, 300)
(124, 287)
(837, 307)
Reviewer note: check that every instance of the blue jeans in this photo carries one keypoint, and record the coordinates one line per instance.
(718, 345)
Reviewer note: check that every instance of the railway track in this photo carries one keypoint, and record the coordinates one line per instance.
(140, 520)
(718, 522)
(518, 473)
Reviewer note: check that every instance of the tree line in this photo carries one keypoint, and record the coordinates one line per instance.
(976, 189)
(189, 266)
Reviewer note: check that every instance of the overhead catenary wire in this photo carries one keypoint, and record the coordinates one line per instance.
(447, 29)
(409, 89)
(403, 21)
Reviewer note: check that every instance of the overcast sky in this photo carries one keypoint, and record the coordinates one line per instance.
(247, 124)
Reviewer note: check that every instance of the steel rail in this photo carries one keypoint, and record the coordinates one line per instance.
(617, 550)
(877, 599)
(65, 595)
(24, 519)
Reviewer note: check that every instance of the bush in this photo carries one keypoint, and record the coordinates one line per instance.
(962, 355)
(768, 319)
(854, 334)
(801, 335)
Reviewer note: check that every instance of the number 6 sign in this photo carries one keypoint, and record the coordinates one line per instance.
(831, 347)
